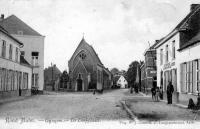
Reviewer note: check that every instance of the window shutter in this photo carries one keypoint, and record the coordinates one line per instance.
(183, 78)
(194, 72)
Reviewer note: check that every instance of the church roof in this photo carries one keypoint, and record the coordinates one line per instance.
(90, 48)
(13, 24)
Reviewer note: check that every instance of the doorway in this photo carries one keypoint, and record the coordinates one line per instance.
(79, 84)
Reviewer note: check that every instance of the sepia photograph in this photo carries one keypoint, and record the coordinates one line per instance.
(99, 64)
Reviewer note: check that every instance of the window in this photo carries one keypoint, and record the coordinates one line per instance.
(22, 53)
(167, 54)
(16, 54)
(25, 80)
(82, 55)
(173, 50)
(35, 58)
(190, 77)
(35, 80)
(198, 76)
(161, 56)
(10, 51)
(1, 77)
(3, 54)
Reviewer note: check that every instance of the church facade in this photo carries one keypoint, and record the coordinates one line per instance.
(86, 70)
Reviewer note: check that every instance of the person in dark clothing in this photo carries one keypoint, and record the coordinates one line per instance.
(153, 92)
(170, 90)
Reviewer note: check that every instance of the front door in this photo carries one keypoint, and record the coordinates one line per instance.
(20, 83)
(79, 84)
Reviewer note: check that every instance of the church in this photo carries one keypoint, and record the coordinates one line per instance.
(86, 70)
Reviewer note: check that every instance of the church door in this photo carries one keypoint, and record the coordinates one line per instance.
(79, 84)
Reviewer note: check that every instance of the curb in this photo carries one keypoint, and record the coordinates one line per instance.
(132, 116)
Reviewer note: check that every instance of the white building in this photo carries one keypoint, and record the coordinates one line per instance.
(178, 58)
(15, 72)
(122, 82)
(33, 50)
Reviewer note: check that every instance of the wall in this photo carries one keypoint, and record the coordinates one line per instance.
(34, 43)
(160, 67)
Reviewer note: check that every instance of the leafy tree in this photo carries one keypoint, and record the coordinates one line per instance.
(114, 71)
(131, 73)
(64, 79)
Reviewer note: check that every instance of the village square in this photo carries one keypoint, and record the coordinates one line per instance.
(163, 85)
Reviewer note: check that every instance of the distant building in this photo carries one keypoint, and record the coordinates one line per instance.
(122, 82)
(51, 75)
(15, 71)
(86, 70)
(33, 50)
(148, 69)
(179, 58)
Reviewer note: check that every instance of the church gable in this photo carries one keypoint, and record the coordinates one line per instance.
(89, 51)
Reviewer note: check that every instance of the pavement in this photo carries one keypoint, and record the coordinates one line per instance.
(175, 104)
(142, 108)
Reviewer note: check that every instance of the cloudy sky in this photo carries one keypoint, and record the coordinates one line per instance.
(119, 30)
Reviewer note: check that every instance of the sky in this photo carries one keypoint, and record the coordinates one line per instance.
(119, 30)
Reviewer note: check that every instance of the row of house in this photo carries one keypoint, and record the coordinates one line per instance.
(177, 59)
(21, 58)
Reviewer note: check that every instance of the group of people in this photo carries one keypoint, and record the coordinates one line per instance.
(158, 93)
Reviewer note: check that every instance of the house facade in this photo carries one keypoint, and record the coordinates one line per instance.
(122, 82)
(33, 50)
(178, 58)
(86, 70)
(15, 71)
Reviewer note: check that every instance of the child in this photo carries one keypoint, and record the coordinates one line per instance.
(157, 94)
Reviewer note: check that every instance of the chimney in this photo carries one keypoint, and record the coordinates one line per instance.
(193, 6)
(2, 17)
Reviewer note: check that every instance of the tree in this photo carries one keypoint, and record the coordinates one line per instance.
(114, 71)
(131, 73)
(64, 79)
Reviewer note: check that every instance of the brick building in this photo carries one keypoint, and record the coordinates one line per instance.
(148, 69)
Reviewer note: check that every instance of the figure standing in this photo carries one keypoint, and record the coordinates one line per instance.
(157, 94)
(153, 92)
(170, 90)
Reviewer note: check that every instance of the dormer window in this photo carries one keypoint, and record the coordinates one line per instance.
(20, 32)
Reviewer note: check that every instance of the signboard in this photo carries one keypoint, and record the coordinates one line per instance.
(152, 72)
(169, 65)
